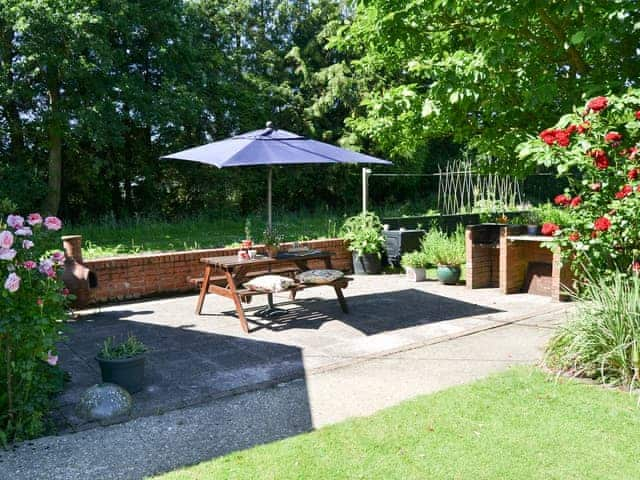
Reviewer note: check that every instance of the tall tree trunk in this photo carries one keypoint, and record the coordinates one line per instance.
(54, 132)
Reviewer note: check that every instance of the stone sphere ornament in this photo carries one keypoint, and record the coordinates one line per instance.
(104, 401)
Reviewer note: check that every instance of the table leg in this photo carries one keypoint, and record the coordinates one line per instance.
(204, 288)
(341, 300)
(231, 284)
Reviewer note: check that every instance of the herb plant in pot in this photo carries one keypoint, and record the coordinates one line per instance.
(532, 221)
(365, 241)
(123, 363)
(415, 265)
(446, 252)
(272, 240)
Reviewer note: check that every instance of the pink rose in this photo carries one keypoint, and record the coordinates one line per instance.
(52, 223)
(52, 359)
(57, 257)
(15, 221)
(12, 283)
(29, 264)
(6, 239)
(27, 244)
(46, 268)
(7, 254)
(34, 219)
(24, 232)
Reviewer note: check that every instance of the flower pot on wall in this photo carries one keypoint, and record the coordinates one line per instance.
(448, 274)
(127, 372)
(367, 264)
(416, 274)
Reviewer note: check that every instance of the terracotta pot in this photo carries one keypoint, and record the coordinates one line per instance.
(272, 251)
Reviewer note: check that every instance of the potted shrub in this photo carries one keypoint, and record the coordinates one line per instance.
(365, 240)
(415, 265)
(446, 252)
(123, 363)
(272, 240)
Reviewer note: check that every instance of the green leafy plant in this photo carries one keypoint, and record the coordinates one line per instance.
(129, 348)
(549, 213)
(531, 217)
(442, 249)
(364, 234)
(272, 237)
(603, 339)
(417, 259)
(596, 148)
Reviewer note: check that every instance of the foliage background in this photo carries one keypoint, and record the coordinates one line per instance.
(92, 93)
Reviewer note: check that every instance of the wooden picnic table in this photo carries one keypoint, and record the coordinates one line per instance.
(226, 275)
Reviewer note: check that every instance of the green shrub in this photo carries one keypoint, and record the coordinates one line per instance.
(603, 339)
(442, 249)
(416, 259)
(549, 213)
(364, 234)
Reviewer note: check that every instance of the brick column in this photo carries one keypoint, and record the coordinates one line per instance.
(561, 280)
(513, 264)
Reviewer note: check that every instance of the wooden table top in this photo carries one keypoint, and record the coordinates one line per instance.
(232, 261)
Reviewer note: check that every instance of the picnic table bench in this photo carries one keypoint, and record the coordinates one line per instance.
(226, 275)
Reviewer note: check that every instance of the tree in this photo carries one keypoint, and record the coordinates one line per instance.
(481, 73)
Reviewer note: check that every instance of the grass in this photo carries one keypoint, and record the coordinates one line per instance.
(515, 425)
(109, 238)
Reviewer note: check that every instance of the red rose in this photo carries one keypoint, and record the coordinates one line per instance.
(597, 104)
(613, 137)
(600, 159)
(631, 153)
(549, 229)
(548, 136)
(571, 129)
(562, 138)
(638, 115)
(602, 224)
(635, 266)
(561, 200)
(574, 236)
(596, 187)
(575, 202)
(584, 126)
(624, 192)
(633, 174)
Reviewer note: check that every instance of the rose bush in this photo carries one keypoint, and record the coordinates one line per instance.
(596, 149)
(33, 306)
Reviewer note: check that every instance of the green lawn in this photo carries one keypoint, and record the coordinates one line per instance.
(119, 238)
(515, 425)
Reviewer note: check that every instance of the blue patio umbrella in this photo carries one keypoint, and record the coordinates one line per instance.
(270, 146)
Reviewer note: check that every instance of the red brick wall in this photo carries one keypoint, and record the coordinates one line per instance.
(138, 276)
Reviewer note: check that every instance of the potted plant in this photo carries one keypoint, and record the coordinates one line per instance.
(446, 252)
(415, 265)
(532, 220)
(272, 239)
(123, 363)
(365, 241)
(247, 243)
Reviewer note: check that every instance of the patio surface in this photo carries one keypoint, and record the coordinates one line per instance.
(194, 359)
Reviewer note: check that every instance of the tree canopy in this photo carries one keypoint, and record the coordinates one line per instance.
(484, 74)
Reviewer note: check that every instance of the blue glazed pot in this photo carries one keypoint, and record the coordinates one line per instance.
(532, 229)
(448, 274)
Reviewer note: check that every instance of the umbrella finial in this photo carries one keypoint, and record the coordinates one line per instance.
(270, 124)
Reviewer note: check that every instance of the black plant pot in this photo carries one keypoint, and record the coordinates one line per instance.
(367, 264)
(126, 372)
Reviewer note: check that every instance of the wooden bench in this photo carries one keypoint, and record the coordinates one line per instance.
(226, 276)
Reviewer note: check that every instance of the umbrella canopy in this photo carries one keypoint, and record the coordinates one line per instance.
(270, 146)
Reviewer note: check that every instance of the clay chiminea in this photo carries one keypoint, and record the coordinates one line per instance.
(76, 277)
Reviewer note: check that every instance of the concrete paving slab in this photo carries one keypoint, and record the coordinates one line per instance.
(196, 358)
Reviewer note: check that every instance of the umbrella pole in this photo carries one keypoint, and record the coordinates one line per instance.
(269, 181)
